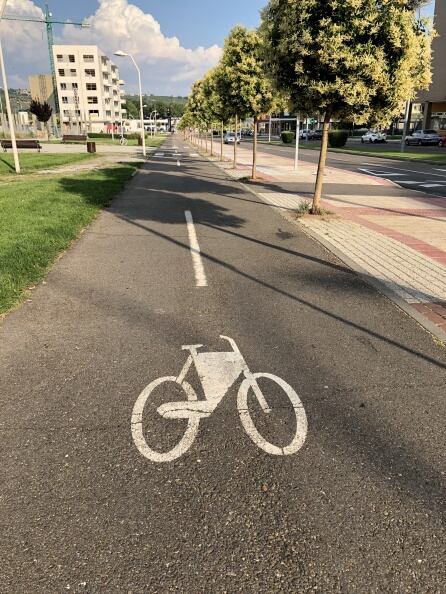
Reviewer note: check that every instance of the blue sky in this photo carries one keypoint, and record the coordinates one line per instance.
(174, 41)
(194, 22)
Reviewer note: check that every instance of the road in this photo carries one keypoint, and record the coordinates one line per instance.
(430, 179)
(102, 495)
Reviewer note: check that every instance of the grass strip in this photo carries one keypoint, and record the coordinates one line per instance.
(40, 217)
(30, 162)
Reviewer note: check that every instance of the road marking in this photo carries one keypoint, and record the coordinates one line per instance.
(432, 185)
(406, 170)
(159, 154)
(217, 373)
(200, 275)
(178, 164)
(380, 173)
(194, 155)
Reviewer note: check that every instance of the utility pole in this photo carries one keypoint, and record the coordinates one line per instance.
(7, 101)
(49, 22)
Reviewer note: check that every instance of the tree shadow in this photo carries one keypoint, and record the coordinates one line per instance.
(145, 208)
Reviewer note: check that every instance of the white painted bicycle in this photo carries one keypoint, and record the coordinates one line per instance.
(217, 373)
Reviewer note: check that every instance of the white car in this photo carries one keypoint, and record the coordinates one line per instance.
(230, 138)
(374, 137)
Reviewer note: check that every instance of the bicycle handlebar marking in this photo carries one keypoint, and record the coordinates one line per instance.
(217, 372)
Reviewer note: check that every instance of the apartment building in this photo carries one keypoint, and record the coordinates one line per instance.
(88, 86)
(434, 99)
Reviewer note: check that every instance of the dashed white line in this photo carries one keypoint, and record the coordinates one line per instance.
(200, 275)
(178, 164)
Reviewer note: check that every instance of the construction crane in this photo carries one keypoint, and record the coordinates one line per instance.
(49, 22)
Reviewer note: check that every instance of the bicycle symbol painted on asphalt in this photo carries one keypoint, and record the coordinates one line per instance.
(217, 373)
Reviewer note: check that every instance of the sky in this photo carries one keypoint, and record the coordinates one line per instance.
(174, 41)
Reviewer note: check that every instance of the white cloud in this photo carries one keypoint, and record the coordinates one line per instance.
(167, 67)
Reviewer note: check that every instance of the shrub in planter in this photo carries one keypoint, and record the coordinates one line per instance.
(338, 138)
(287, 137)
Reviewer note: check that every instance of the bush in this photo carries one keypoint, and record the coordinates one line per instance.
(130, 136)
(338, 138)
(287, 137)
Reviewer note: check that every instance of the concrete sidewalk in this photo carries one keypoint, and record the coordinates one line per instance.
(393, 236)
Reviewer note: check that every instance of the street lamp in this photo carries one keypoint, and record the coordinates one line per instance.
(122, 54)
(8, 103)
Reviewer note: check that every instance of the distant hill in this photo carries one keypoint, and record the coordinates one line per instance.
(161, 98)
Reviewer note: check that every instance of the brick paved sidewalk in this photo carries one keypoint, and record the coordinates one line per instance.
(395, 236)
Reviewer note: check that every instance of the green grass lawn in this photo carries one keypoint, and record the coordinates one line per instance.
(40, 217)
(30, 162)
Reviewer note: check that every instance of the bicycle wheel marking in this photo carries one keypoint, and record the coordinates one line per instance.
(251, 430)
(217, 372)
(137, 429)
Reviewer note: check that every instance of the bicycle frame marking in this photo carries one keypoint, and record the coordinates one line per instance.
(217, 371)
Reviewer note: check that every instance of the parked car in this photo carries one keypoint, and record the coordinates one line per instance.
(317, 134)
(306, 134)
(423, 137)
(373, 137)
(230, 138)
(442, 141)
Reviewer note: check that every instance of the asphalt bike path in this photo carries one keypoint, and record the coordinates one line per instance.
(132, 465)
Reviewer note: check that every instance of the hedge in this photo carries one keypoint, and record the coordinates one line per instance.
(287, 137)
(337, 138)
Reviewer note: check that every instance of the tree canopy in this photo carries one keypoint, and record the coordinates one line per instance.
(42, 110)
(356, 58)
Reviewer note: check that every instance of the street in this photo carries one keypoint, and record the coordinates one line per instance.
(427, 178)
(336, 487)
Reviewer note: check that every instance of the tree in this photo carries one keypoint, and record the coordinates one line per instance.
(196, 106)
(132, 108)
(244, 84)
(355, 59)
(214, 103)
(42, 110)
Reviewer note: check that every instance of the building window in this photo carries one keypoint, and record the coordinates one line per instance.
(90, 72)
(91, 87)
(88, 58)
(108, 114)
(74, 86)
(61, 72)
(64, 99)
(59, 58)
(71, 58)
(63, 86)
(92, 100)
(107, 102)
(66, 113)
(72, 72)
(94, 112)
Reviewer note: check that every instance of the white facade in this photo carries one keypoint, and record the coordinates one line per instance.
(90, 96)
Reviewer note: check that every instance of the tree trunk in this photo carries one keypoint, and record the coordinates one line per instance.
(206, 140)
(235, 145)
(222, 141)
(254, 151)
(316, 208)
(212, 141)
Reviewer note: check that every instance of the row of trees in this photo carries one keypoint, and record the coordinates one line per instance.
(352, 60)
(174, 107)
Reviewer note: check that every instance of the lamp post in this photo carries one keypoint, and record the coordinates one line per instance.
(7, 101)
(122, 54)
